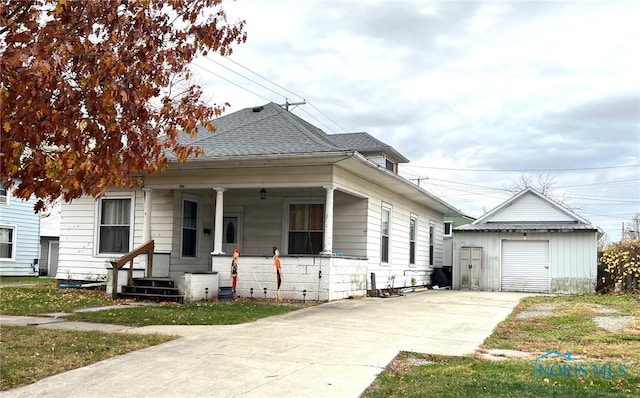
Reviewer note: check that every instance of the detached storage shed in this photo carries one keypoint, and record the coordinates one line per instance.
(530, 243)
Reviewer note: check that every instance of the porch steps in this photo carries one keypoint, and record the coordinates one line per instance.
(160, 289)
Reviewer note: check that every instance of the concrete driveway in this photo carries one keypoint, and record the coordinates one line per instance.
(332, 350)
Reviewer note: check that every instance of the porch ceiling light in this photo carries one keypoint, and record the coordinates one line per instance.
(263, 194)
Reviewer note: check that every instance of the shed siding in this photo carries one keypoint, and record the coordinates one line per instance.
(572, 259)
(529, 208)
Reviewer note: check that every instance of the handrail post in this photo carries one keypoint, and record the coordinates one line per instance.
(130, 279)
(147, 248)
(114, 282)
(150, 262)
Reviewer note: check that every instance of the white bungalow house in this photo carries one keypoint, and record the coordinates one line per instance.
(529, 243)
(333, 204)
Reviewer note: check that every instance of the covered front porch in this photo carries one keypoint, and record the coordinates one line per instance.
(302, 222)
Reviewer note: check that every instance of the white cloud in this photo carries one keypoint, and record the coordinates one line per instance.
(508, 85)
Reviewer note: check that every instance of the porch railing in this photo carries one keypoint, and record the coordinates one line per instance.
(128, 258)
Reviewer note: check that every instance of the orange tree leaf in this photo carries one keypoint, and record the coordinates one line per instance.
(81, 90)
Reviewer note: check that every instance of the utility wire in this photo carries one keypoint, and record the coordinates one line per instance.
(528, 170)
(232, 82)
(273, 91)
(262, 77)
(244, 77)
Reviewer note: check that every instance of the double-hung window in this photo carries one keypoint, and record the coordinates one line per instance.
(432, 232)
(189, 228)
(306, 228)
(7, 242)
(385, 231)
(412, 240)
(114, 231)
(4, 198)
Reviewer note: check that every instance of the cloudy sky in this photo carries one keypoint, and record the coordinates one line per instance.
(476, 94)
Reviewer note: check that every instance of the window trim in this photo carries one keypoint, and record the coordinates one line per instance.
(4, 199)
(286, 210)
(96, 222)
(196, 200)
(444, 231)
(413, 238)
(14, 243)
(388, 208)
(432, 240)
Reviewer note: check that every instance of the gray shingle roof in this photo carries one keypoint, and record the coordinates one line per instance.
(526, 227)
(271, 130)
(264, 130)
(366, 144)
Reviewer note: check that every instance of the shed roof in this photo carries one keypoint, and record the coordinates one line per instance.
(572, 222)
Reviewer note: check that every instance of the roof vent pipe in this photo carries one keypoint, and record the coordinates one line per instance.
(258, 108)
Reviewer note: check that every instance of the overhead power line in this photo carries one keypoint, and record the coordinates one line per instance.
(230, 81)
(527, 170)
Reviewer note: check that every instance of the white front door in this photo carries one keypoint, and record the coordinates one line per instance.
(231, 232)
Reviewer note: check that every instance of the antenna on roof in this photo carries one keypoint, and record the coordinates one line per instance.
(287, 104)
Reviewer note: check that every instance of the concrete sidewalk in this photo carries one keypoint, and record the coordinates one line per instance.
(332, 350)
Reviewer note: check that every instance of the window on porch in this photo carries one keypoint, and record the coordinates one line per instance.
(306, 228)
(115, 225)
(189, 228)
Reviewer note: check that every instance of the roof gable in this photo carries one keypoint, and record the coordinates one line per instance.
(366, 144)
(529, 205)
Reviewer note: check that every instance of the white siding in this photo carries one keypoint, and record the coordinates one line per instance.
(398, 272)
(572, 258)
(529, 207)
(349, 225)
(75, 258)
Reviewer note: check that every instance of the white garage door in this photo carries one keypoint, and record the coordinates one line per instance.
(525, 266)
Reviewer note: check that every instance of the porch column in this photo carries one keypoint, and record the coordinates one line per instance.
(146, 225)
(217, 236)
(328, 221)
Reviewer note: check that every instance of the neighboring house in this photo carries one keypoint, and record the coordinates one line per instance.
(49, 243)
(19, 236)
(451, 222)
(529, 243)
(333, 204)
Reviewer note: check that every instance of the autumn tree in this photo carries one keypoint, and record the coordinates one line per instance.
(622, 263)
(632, 228)
(86, 96)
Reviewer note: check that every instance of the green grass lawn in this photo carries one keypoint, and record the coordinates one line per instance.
(569, 326)
(417, 375)
(30, 353)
